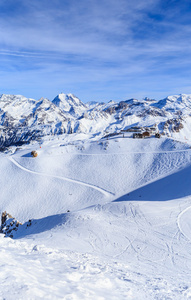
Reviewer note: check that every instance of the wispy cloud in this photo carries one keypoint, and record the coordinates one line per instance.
(111, 46)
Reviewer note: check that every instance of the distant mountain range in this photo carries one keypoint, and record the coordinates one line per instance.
(23, 119)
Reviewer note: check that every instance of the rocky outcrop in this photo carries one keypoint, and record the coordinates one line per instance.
(8, 224)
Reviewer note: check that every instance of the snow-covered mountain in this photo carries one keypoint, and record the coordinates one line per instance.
(23, 119)
(70, 104)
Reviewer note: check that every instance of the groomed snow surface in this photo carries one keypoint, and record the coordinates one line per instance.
(111, 219)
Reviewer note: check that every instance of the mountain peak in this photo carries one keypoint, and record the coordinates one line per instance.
(68, 101)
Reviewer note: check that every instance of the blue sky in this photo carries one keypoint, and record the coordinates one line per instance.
(96, 49)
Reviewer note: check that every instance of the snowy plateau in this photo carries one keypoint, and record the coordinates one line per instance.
(98, 214)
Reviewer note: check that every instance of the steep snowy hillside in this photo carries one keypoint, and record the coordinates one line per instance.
(180, 104)
(23, 119)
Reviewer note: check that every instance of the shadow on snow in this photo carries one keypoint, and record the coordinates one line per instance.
(174, 186)
(37, 226)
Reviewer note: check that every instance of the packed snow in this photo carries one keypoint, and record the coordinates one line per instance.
(109, 219)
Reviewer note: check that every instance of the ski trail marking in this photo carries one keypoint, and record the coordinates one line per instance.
(106, 193)
(178, 222)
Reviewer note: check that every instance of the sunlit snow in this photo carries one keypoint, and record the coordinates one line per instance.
(110, 219)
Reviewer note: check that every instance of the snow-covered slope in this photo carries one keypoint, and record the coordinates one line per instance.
(100, 223)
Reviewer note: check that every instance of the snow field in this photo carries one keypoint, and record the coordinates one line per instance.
(108, 246)
(129, 169)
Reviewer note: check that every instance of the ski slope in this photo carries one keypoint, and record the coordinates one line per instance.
(110, 220)
(62, 178)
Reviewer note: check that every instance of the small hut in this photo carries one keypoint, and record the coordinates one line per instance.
(146, 134)
(34, 154)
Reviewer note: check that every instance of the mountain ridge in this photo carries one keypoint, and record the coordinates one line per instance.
(25, 119)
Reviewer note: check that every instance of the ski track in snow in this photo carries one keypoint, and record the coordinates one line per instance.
(50, 274)
(181, 229)
(106, 193)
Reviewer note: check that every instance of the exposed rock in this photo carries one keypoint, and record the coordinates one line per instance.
(157, 135)
(8, 224)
